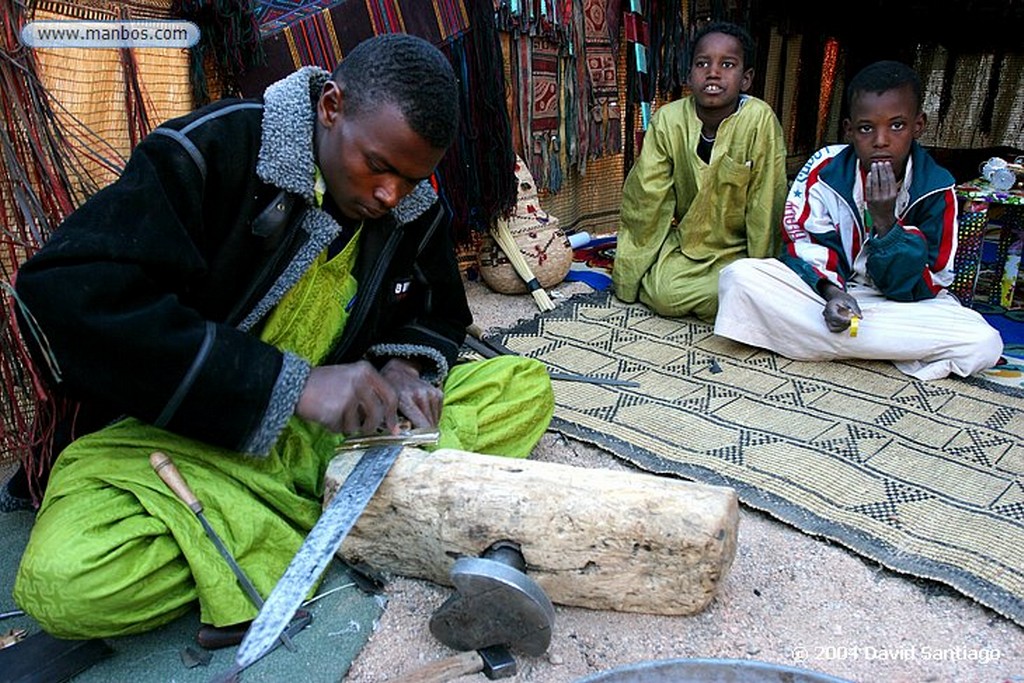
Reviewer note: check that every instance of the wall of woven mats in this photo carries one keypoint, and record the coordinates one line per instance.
(797, 73)
(587, 201)
(69, 119)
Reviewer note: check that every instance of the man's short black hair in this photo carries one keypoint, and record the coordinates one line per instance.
(730, 29)
(881, 76)
(408, 72)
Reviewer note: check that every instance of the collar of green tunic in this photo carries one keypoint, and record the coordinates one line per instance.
(319, 186)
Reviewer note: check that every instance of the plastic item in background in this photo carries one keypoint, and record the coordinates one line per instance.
(997, 172)
(1017, 166)
(579, 239)
(1010, 270)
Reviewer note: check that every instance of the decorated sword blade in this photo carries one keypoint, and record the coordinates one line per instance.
(315, 554)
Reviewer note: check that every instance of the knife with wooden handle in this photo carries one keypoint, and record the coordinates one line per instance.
(168, 472)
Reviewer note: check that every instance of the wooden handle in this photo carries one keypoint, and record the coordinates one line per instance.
(443, 670)
(164, 467)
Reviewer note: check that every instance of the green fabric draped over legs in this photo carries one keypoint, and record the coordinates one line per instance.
(114, 552)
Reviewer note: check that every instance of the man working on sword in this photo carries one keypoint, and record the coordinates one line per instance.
(266, 277)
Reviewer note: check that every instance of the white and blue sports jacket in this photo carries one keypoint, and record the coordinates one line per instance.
(825, 238)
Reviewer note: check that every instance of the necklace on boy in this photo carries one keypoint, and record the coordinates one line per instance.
(705, 138)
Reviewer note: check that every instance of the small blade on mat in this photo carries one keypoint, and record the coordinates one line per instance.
(315, 554)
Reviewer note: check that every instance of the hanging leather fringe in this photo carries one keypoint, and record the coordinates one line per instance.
(546, 162)
(36, 193)
(134, 100)
(577, 86)
(555, 176)
(229, 40)
(667, 49)
(485, 130)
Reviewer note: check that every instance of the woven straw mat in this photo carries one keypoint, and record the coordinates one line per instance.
(923, 477)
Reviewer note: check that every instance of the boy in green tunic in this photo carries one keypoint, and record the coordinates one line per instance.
(266, 277)
(708, 185)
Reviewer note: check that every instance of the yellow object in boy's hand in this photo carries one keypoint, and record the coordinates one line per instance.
(854, 325)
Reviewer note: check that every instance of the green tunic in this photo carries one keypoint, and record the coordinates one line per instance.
(683, 220)
(114, 552)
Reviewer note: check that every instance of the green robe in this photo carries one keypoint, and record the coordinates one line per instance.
(683, 220)
(114, 552)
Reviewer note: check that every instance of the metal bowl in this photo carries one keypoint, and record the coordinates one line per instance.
(708, 671)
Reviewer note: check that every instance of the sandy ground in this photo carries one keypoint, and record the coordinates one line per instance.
(789, 599)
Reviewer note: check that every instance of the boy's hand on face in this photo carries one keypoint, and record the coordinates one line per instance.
(880, 192)
(352, 399)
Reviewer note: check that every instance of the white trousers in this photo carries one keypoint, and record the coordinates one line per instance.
(763, 303)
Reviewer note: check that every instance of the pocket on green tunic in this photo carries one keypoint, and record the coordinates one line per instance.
(716, 220)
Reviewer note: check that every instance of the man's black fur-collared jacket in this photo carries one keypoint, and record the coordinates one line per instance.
(147, 301)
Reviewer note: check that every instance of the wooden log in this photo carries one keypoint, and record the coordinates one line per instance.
(594, 538)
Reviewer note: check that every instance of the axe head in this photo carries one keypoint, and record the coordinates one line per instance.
(494, 604)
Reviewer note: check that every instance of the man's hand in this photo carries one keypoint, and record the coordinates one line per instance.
(880, 192)
(420, 402)
(352, 399)
(840, 307)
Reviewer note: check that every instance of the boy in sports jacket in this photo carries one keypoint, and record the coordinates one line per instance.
(869, 241)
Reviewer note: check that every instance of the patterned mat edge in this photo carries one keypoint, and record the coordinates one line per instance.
(854, 540)
(984, 592)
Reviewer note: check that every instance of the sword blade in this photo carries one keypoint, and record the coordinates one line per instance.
(315, 553)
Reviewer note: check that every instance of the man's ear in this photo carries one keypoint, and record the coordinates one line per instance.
(848, 129)
(331, 103)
